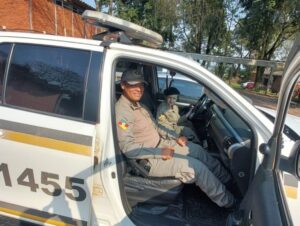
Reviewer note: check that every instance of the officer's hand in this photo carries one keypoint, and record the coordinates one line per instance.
(167, 153)
(182, 140)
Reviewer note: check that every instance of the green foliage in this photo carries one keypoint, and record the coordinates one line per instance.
(245, 28)
(203, 24)
(267, 24)
(157, 15)
(234, 85)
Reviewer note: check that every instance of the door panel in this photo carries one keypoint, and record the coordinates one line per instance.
(46, 167)
(260, 205)
(266, 202)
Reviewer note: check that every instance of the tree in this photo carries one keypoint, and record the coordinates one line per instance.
(202, 25)
(192, 15)
(163, 18)
(266, 25)
(156, 15)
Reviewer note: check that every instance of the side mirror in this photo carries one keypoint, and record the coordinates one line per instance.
(291, 164)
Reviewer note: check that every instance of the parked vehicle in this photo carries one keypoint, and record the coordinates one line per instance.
(248, 85)
(60, 159)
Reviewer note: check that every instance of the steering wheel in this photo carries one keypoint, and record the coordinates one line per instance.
(198, 108)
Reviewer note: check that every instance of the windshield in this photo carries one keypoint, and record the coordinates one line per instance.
(186, 88)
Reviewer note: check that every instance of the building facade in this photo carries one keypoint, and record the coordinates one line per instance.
(57, 17)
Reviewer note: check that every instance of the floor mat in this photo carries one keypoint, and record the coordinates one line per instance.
(193, 208)
(200, 210)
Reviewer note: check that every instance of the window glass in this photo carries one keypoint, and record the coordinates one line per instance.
(241, 128)
(161, 84)
(4, 51)
(187, 87)
(93, 94)
(48, 79)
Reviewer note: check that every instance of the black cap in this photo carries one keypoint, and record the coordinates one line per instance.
(132, 77)
(171, 91)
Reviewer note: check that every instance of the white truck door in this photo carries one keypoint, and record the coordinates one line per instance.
(48, 112)
(265, 201)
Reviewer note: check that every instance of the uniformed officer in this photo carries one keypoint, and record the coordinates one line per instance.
(140, 138)
(167, 115)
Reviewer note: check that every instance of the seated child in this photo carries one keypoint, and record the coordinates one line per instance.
(167, 115)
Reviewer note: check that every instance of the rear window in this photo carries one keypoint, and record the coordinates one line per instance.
(48, 79)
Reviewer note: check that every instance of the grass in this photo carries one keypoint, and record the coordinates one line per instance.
(237, 86)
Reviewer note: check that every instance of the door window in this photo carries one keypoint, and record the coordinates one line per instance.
(48, 79)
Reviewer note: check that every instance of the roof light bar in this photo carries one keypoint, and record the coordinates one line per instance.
(137, 34)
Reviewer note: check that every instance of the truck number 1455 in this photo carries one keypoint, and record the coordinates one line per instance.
(49, 184)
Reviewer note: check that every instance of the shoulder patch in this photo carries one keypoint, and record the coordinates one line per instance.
(123, 124)
(162, 117)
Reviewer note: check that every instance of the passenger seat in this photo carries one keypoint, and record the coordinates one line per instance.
(149, 100)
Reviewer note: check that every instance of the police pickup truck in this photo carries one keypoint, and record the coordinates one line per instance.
(60, 159)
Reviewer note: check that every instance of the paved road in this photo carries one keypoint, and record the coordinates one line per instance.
(269, 101)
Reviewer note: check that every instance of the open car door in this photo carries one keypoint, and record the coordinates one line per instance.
(266, 200)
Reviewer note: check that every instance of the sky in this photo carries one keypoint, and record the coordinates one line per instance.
(90, 2)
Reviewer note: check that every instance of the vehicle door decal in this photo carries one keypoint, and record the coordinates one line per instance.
(45, 132)
(48, 138)
(46, 142)
(37, 215)
(47, 170)
(290, 186)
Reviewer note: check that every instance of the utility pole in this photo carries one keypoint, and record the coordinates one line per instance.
(97, 2)
(110, 9)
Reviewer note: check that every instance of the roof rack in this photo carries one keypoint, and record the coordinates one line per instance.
(120, 30)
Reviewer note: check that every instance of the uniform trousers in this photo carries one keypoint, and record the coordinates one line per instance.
(192, 164)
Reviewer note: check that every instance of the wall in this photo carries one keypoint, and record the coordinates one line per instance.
(14, 14)
(42, 16)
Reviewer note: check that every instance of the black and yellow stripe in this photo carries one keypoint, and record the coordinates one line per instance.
(290, 186)
(39, 216)
(48, 138)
